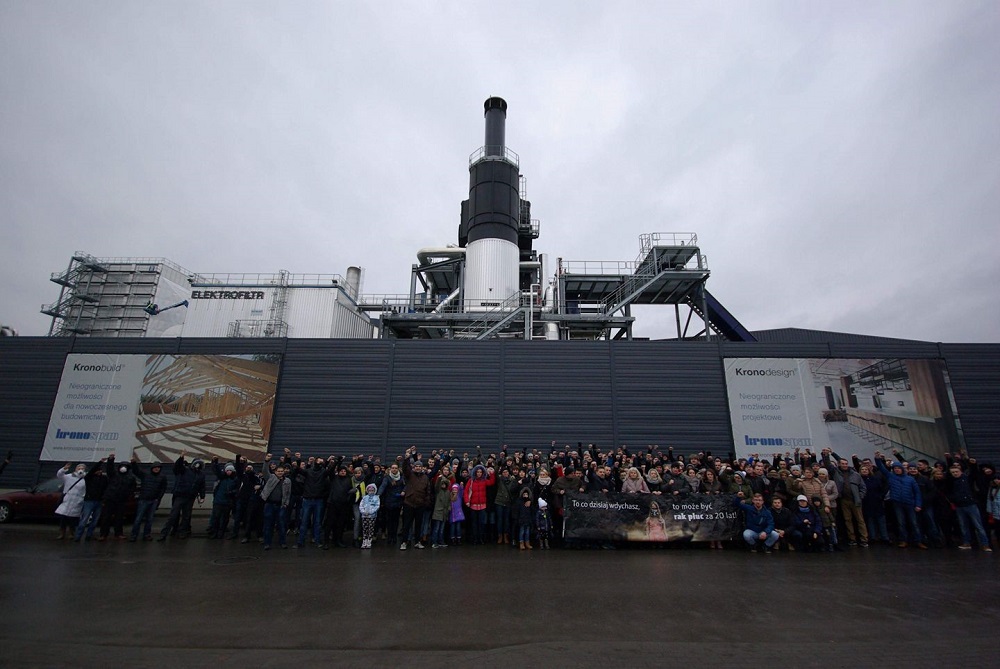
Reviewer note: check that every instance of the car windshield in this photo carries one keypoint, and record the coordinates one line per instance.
(52, 485)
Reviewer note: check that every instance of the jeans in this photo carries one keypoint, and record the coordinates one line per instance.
(312, 506)
(926, 516)
(437, 532)
(88, 519)
(877, 528)
(175, 520)
(906, 519)
(970, 515)
(144, 511)
(503, 519)
(411, 524)
(274, 514)
(752, 537)
(478, 518)
(524, 533)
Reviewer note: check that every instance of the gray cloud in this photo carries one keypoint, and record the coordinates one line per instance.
(839, 163)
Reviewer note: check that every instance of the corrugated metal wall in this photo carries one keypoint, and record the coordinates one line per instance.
(376, 396)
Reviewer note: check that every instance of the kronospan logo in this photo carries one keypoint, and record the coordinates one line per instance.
(87, 436)
(784, 373)
(777, 441)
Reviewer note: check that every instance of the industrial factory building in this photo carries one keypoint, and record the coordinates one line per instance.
(493, 343)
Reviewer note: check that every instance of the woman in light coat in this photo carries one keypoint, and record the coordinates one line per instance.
(74, 488)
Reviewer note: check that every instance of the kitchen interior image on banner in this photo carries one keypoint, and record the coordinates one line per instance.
(207, 405)
(852, 406)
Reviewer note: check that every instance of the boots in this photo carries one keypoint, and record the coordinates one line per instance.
(527, 544)
(523, 547)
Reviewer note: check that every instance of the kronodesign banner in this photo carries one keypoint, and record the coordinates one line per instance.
(851, 405)
(622, 517)
(158, 405)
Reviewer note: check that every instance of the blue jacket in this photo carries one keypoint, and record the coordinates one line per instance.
(758, 521)
(902, 487)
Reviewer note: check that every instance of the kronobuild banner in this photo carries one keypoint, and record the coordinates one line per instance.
(155, 406)
(95, 409)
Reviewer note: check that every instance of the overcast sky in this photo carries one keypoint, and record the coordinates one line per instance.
(840, 162)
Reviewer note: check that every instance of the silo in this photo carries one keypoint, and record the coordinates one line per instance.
(492, 215)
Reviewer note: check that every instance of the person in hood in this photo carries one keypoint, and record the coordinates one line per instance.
(543, 524)
(198, 470)
(476, 499)
(442, 508)
(223, 499)
(525, 519)
(121, 487)
(74, 490)
(189, 483)
(152, 487)
(369, 506)
(456, 514)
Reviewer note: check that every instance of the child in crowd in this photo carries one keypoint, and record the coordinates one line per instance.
(829, 524)
(524, 520)
(442, 508)
(369, 512)
(543, 523)
(457, 515)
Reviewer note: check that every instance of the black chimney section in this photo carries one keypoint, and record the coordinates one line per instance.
(496, 117)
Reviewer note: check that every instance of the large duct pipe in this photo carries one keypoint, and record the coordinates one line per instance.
(496, 118)
(353, 281)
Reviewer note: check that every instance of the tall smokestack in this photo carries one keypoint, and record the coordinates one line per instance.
(490, 218)
(496, 119)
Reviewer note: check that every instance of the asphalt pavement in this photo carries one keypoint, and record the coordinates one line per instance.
(201, 603)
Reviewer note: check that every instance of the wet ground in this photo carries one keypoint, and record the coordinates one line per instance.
(200, 603)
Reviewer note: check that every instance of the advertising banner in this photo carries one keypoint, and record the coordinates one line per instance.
(95, 409)
(630, 517)
(156, 406)
(849, 405)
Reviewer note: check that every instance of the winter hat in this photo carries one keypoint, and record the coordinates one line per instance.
(371, 489)
(230, 468)
(897, 464)
(542, 503)
(801, 498)
(796, 468)
(822, 472)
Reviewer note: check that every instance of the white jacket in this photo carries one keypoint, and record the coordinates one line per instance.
(74, 489)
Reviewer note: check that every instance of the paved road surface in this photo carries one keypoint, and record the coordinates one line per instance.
(197, 603)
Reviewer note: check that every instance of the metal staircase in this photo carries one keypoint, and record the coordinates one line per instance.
(493, 321)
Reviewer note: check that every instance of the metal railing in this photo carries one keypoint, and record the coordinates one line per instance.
(494, 153)
(268, 279)
(499, 316)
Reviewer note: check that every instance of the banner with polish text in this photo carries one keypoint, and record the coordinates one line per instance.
(653, 518)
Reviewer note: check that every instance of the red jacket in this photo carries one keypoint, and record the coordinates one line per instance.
(475, 490)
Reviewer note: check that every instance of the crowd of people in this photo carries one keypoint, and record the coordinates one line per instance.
(795, 501)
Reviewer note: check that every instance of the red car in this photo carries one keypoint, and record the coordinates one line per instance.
(40, 502)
